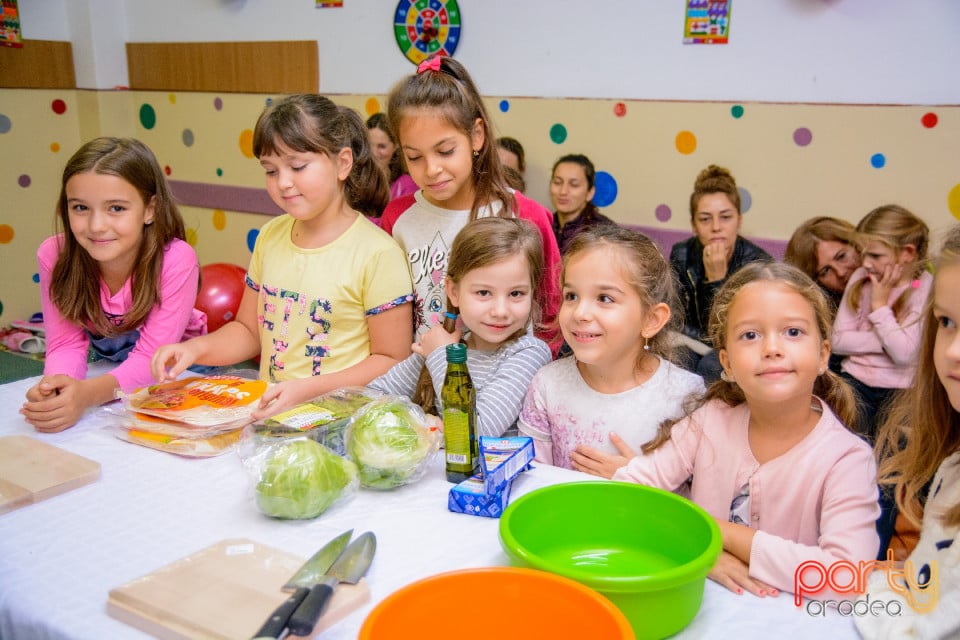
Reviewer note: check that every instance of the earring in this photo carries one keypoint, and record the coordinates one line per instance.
(726, 378)
(821, 372)
(476, 154)
(646, 343)
(148, 222)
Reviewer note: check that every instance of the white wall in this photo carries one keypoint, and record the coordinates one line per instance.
(842, 51)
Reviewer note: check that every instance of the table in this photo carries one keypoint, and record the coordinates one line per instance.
(59, 558)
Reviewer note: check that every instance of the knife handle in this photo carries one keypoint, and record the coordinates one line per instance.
(276, 624)
(304, 619)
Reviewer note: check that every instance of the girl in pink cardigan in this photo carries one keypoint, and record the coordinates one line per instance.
(765, 453)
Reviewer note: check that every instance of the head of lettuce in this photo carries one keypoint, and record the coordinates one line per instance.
(390, 443)
(301, 478)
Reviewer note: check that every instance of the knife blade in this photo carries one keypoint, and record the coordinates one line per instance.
(312, 571)
(349, 567)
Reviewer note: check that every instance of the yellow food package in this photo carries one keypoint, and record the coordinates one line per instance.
(203, 401)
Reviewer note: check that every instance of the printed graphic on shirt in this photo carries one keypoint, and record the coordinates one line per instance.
(428, 264)
(282, 312)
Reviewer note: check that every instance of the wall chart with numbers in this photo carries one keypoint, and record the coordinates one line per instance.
(426, 27)
(707, 22)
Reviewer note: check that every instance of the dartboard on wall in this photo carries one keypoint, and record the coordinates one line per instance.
(425, 27)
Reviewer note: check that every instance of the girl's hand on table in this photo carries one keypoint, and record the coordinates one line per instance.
(734, 574)
(55, 403)
(285, 395)
(598, 463)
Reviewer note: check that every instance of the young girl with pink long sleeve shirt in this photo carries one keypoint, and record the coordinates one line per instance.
(880, 317)
(766, 455)
(120, 279)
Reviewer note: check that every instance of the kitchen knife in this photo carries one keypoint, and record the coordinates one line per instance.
(349, 567)
(309, 574)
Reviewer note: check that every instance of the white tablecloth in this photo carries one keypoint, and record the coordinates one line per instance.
(59, 558)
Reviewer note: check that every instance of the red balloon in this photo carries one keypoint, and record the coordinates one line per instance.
(221, 288)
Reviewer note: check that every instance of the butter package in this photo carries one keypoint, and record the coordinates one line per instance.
(488, 493)
(502, 459)
(471, 497)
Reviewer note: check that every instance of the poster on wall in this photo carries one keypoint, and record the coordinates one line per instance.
(707, 22)
(10, 31)
(423, 28)
(329, 4)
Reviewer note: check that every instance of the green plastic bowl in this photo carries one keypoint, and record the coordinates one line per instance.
(647, 550)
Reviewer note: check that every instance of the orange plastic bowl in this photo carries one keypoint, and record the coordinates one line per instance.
(509, 602)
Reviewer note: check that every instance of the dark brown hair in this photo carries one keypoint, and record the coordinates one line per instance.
(75, 281)
(451, 92)
(314, 124)
(802, 248)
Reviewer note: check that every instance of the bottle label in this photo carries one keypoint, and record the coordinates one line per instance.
(456, 436)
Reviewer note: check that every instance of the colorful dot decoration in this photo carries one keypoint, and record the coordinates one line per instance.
(372, 106)
(6, 233)
(558, 133)
(187, 137)
(24, 181)
(252, 238)
(36, 278)
(55, 147)
(663, 213)
(191, 237)
(929, 120)
(219, 172)
(736, 111)
(878, 161)
(5, 123)
(685, 142)
(59, 107)
(167, 170)
(219, 219)
(246, 143)
(172, 98)
(504, 106)
(620, 109)
(802, 136)
(746, 200)
(148, 117)
(953, 201)
(605, 189)
(217, 103)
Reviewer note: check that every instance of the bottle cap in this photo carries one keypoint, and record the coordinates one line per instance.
(457, 352)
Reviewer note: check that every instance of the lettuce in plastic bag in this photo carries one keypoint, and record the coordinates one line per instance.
(300, 479)
(390, 443)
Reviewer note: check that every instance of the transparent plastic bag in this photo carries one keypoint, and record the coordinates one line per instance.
(200, 401)
(297, 477)
(392, 441)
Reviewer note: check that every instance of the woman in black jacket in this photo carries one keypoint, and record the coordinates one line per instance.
(705, 261)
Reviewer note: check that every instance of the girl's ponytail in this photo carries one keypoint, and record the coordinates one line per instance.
(366, 187)
(839, 396)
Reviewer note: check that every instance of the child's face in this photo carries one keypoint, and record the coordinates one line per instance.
(494, 301)
(877, 256)
(717, 221)
(305, 184)
(773, 349)
(440, 157)
(569, 190)
(107, 217)
(946, 348)
(382, 146)
(602, 317)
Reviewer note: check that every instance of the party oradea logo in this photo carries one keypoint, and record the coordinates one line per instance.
(918, 590)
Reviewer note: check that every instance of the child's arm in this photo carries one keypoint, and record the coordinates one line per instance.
(67, 342)
(167, 321)
(234, 342)
(848, 531)
(668, 466)
(847, 338)
(57, 402)
(900, 339)
(534, 422)
(388, 346)
(401, 379)
(499, 399)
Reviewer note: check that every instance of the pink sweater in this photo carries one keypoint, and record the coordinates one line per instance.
(882, 351)
(172, 321)
(817, 501)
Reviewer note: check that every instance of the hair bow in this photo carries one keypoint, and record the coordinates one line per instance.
(430, 64)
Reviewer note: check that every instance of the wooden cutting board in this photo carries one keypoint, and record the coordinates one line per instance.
(223, 592)
(32, 470)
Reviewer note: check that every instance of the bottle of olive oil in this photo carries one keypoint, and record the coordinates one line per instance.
(459, 400)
